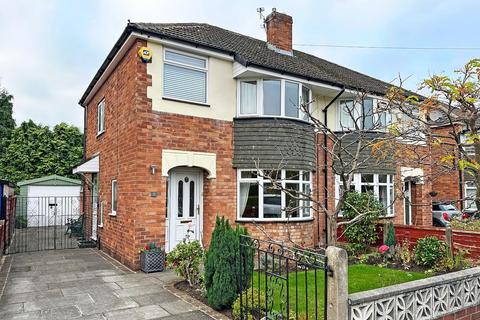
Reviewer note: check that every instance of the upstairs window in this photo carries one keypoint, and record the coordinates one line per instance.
(101, 117)
(248, 98)
(367, 115)
(272, 97)
(185, 77)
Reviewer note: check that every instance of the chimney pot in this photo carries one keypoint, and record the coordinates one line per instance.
(279, 30)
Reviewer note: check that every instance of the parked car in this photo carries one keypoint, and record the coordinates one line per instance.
(471, 214)
(443, 213)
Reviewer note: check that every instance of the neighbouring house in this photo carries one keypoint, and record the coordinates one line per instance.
(449, 182)
(180, 115)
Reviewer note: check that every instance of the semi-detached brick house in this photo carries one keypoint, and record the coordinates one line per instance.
(171, 143)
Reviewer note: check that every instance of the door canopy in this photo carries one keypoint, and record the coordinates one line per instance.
(178, 158)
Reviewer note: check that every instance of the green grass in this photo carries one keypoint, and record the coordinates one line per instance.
(360, 278)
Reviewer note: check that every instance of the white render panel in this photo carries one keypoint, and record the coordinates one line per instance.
(177, 158)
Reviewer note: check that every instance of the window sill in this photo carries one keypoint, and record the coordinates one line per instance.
(187, 101)
(112, 214)
(279, 220)
(100, 225)
(100, 133)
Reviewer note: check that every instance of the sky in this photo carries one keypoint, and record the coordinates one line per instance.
(51, 49)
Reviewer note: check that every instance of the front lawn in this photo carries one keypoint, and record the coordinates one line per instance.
(361, 277)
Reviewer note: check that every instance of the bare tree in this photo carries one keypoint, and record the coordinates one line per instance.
(367, 123)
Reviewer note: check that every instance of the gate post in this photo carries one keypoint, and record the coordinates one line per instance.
(337, 284)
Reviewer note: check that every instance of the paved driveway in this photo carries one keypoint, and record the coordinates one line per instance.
(85, 284)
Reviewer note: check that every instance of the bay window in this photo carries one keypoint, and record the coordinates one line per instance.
(380, 185)
(259, 199)
(291, 99)
(248, 99)
(184, 77)
(272, 97)
(367, 115)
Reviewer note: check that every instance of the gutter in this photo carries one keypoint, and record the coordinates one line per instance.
(325, 165)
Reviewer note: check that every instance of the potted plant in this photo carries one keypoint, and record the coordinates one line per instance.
(152, 258)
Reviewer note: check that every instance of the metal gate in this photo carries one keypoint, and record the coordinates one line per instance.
(47, 223)
(281, 282)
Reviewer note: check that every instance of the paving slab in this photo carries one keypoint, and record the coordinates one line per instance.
(86, 284)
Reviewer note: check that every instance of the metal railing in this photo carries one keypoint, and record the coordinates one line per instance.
(48, 223)
(281, 282)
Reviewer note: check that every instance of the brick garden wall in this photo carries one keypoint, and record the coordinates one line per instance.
(471, 313)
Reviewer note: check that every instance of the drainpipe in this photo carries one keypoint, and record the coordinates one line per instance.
(325, 165)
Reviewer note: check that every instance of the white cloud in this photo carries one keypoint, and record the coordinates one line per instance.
(50, 50)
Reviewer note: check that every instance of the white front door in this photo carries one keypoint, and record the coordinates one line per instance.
(185, 206)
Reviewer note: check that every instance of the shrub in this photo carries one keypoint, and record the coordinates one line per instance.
(364, 231)
(429, 250)
(355, 249)
(458, 262)
(186, 259)
(222, 265)
(390, 235)
(469, 225)
(249, 295)
(403, 254)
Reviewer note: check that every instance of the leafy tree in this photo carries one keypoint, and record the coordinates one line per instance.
(34, 150)
(7, 123)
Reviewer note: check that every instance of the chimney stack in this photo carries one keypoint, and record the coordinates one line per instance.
(279, 30)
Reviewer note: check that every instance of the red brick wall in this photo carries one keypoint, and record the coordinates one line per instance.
(279, 30)
(118, 149)
(292, 233)
(471, 313)
(445, 176)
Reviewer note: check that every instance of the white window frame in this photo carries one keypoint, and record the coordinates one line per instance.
(469, 185)
(114, 212)
(260, 112)
(187, 66)
(101, 117)
(358, 108)
(260, 181)
(357, 184)
(100, 214)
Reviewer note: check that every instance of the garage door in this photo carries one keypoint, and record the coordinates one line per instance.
(52, 205)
